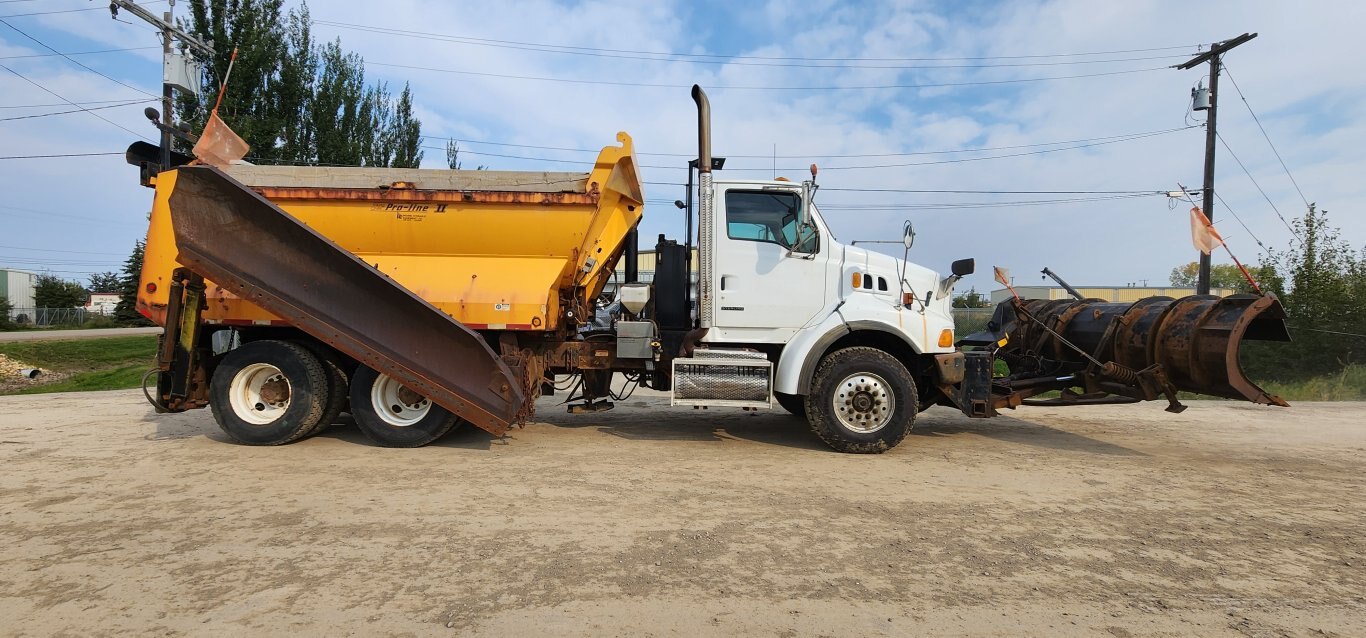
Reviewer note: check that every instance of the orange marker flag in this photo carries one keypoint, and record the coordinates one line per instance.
(219, 145)
(1203, 234)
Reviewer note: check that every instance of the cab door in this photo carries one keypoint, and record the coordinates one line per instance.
(768, 275)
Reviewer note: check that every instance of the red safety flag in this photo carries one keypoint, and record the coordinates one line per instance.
(1203, 234)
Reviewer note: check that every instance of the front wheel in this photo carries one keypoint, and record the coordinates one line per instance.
(862, 401)
(392, 415)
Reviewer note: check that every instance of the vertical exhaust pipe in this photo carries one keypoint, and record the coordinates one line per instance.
(706, 211)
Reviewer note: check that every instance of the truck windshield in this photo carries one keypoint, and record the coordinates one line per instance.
(768, 216)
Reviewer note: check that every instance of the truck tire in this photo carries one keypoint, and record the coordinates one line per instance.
(338, 387)
(391, 415)
(268, 393)
(862, 401)
(793, 403)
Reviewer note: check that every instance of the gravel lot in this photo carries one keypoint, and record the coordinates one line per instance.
(1229, 519)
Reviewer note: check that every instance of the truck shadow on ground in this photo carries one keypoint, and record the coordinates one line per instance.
(659, 422)
(941, 423)
(777, 427)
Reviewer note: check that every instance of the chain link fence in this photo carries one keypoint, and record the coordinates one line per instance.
(49, 317)
(969, 320)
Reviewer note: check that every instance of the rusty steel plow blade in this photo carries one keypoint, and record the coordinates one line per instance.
(1192, 341)
(234, 237)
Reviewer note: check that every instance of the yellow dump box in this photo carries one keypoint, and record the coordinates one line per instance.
(496, 250)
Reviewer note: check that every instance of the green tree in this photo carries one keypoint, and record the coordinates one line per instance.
(51, 291)
(293, 100)
(1321, 280)
(104, 282)
(971, 299)
(406, 133)
(126, 312)
(5, 309)
(453, 156)
(1220, 276)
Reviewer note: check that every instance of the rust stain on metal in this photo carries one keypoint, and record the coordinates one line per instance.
(395, 194)
(301, 276)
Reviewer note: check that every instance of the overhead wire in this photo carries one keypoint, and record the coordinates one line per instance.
(54, 250)
(54, 155)
(77, 62)
(1104, 141)
(425, 35)
(63, 98)
(741, 87)
(1259, 188)
(1230, 211)
(846, 63)
(766, 156)
(99, 8)
(78, 110)
(1265, 135)
(49, 55)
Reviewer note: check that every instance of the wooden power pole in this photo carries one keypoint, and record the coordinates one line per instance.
(1212, 56)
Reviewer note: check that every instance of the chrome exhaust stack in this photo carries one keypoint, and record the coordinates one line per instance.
(706, 211)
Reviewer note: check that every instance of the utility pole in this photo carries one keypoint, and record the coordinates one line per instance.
(178, 71)
(1213, 56)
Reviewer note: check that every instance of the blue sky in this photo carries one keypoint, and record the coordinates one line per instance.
(1301, 76)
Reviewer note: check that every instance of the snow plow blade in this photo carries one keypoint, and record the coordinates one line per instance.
(1122, 352)
(227, 233)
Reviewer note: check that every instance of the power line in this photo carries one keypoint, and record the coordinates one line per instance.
(1259, 189)
(51, 104)
(409, 33)
(44, 13)
(975, 205)
(730, 60)
(75, 61)
(1240, 219)
(1268, 137)
(54, 94)
(21, 157)
(766, 156)
(54, 250)
(738, 87)
(79, 110)
(49, 55)
(873, 166)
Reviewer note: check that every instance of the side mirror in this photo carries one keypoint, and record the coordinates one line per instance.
(907, 235)
(963, 267)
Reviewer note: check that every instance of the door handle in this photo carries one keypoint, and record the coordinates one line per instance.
(723, 282)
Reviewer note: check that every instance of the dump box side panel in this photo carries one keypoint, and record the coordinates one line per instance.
(499, 259)
(229, 233)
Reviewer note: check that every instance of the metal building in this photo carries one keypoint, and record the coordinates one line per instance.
(17, 287)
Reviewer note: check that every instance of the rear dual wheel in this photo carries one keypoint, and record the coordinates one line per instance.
(269, 393)
(393, 415)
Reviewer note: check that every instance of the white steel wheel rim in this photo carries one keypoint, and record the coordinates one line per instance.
(864, 402)
(260, 394)
(395, 404)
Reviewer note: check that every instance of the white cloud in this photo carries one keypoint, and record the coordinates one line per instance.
(1299, 74)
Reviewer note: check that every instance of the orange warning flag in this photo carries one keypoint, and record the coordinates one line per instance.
(1203, 234)
(218, 145)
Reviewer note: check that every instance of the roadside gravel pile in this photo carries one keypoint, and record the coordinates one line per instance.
(9, 368)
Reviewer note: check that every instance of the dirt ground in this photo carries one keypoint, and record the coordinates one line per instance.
(1229, 519)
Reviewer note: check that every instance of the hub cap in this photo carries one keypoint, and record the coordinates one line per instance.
(259, 394)
(863, 402)
(395, 404)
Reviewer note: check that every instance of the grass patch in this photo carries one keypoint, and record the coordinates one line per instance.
(1347, 385)
(120, 378)
(114, 363)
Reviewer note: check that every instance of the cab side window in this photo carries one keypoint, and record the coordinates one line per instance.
(768, 216)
